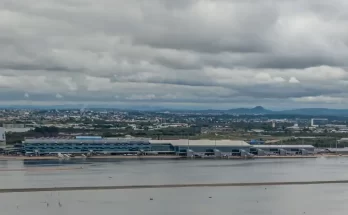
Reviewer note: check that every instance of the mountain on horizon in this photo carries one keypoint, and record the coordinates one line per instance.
(254, 110)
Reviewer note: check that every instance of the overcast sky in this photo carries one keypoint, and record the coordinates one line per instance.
(175, 53)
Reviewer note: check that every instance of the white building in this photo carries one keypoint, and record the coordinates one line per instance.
(2, 137)
(16, 128)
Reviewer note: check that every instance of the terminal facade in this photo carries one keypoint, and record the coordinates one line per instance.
(185, 147)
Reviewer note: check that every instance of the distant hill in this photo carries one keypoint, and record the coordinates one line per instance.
(255, 110)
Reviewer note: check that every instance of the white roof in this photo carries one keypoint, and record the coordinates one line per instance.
(205, 142)
(338, 149)
(71, 141)
(283, 146)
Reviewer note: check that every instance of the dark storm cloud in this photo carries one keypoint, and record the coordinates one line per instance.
(30, 67)
(265, 91)
(297, 62)
(175, 64)
(205, 45)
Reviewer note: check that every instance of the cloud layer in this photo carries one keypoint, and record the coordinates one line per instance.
(214, 54)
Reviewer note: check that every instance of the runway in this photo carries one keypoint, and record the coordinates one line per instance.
(47, 189)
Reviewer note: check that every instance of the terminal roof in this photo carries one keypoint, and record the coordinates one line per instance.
(203, 142)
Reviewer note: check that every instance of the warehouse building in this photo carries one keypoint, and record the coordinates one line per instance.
(282, 149)
(205, 146)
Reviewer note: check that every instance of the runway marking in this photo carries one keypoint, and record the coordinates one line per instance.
(39, 169)
(120, 187)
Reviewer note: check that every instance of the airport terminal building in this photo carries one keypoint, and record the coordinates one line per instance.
(183, 147)
(86, 144)
(205, 146)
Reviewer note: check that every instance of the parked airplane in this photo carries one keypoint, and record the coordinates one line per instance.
(63, 156)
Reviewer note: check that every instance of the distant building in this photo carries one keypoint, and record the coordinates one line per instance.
(16, 128)
(13, 125)
(342, 130)
(2, 137)
(318, 122)
(294, 128)
(206, 130)
(335, 126)
(343, 140)
(257, 130)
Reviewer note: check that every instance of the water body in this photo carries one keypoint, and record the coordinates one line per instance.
(290, 199)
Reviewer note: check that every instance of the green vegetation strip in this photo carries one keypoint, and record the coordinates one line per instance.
(46, 189)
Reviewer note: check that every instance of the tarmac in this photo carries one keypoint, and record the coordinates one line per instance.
(40, 169)
(47, 189)
(4, 157)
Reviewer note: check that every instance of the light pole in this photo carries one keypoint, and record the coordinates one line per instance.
(336, 144)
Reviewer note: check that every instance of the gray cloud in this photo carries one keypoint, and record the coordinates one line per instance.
(214, 53)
